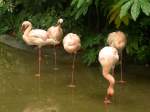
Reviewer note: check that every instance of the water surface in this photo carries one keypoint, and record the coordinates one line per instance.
(21, 91)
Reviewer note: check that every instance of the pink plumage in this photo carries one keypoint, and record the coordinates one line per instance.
(71, 43)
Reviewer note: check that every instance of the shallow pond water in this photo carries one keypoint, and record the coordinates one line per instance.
(21, 91)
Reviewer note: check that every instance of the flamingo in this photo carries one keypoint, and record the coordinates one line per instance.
(36, 37)
(56, 33)
(108, 57)
(118, 40)
(72, 44)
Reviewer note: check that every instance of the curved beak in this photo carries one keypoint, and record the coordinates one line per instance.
(23, 28)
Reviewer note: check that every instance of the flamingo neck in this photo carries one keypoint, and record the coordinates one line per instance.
(28, 30)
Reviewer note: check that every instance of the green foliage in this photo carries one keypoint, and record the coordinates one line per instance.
(6, 6)
(91, 45)
(83, 17)
(135, 10)
(137, 49)
(81, 6)
(138, 45)
(123, 10)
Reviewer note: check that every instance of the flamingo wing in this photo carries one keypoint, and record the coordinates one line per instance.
(38, 33)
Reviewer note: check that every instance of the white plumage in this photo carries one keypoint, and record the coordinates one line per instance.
(108, 55)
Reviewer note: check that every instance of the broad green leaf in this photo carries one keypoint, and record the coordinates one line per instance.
(117, 6)
(89, 1)
(135, 9)
(145, 6)
(73, 2)
(125, 8)
(113, 16)
(80, 3)
(85, 11)
(79, 13)
(125, 20)
(117, 22)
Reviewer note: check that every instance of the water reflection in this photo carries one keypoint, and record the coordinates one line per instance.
(41, 106)
(21, 91)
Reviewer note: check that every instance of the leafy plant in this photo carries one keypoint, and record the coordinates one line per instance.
(124, 10)
(81, 6)
(6, 5)
(91, 45)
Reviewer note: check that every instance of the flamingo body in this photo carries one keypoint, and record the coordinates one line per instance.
(39, 33)
(56, 32)
(71, 43)
(108, 55)
(35, 37)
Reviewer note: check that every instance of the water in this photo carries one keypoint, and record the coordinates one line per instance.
(21, 91)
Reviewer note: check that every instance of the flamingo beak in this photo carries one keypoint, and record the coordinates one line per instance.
(23, 28)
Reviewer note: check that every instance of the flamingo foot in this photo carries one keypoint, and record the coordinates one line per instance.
(122, 82)
(37, 75)
(107, 101)
(71, 85)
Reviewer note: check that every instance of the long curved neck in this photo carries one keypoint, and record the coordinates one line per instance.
(28, 29)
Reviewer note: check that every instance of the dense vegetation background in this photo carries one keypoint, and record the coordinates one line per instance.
(91, 19)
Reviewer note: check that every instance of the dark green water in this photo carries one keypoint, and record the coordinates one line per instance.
(21, 91)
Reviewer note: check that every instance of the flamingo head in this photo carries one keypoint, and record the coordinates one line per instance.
(120, 40)
(60, 21)
(117, 40)
(25, 25)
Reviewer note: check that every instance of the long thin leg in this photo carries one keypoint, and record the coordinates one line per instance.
(72, 74)
(39, 66)
(113, 70)
(55, 59)
(121, 70)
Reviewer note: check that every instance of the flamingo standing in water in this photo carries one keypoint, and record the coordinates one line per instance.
(72, 44)
(118, 40)
(108, 57)
(56, 33)
(36, 37)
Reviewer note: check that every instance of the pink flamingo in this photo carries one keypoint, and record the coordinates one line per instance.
(72, 44)
(118, 40)
(56, 33)
(108, 57)
(36, 37)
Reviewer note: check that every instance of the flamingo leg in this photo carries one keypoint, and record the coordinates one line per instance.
(55, 58)
(72, 74)
(121, 70)
(110, 78)
(113, 70)
(39, 61)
